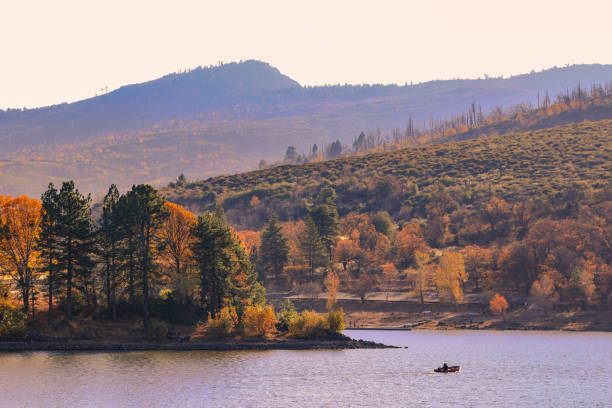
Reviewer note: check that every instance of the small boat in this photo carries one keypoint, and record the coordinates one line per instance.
(449, 369)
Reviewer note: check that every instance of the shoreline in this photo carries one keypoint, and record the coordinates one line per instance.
(347, 344)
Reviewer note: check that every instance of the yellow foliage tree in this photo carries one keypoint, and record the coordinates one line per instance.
(259, 321)
(19, 228)
(450, 275)
(422, 274)
(332, 283)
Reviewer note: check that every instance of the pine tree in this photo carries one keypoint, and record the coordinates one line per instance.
(211, 250)
(48, 242)
(74, 231)
(311, 247)
(274, 250)
(149, 213)
(109, 240)
(325, 217)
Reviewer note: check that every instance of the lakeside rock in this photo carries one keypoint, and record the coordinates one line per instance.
(232, 345)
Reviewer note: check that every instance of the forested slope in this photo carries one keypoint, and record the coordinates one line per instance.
(539, 166)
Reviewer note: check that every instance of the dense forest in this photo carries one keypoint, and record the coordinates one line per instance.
(515, 219)
(143, 260)
(527, 214)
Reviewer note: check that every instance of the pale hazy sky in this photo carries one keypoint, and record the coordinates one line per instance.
(61, 51)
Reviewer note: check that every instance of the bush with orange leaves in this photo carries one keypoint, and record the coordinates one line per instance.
(259, 321)
(499, 305)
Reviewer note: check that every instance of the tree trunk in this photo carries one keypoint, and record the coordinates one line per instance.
(69, 283)
(33, 303)
(50, 294)
(131, 278)
(145, 281)
(25, 296)
(108, 288)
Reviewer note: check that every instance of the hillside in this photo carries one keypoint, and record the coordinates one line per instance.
(540, 167)
(224, 119)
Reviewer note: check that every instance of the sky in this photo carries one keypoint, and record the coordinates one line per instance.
(61, 50)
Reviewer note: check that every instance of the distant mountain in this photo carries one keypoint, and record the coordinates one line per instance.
(224, 119)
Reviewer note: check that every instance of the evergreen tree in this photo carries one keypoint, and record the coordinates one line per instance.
(311, 247)
(109, 240)
(211, 251)
(124, 214)
(274, 250)
(325, 217)
(74, 231)
(149, 212)
(48, 242)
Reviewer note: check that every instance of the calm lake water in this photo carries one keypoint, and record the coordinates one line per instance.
(499, 369)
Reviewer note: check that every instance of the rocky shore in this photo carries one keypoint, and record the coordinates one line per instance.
(230, 345)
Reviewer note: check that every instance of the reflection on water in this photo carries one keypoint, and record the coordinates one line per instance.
(498, 369)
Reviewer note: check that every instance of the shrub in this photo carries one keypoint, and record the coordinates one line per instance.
(286, 315)
(12, 323)
(309, 324)
(157, 330)
(258, 321)
(223, 325)
(335, 320)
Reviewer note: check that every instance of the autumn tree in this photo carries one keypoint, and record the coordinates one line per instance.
(19, 230)
(259, 321)
(422, 274)
(274, 250)
(499, 305)
(363, 285)
(478, 261)
(497, 213)
(175, 237)
(389, 276)
(450, 274)
(346, 251)
(332, 283)
(545, 290)
(407, 242)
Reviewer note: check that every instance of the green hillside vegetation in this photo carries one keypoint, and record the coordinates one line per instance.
(538, 166)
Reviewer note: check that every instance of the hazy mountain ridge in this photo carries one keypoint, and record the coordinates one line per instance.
(224, 119)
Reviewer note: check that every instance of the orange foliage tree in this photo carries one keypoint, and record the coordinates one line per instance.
(389, 276)
(19, 228)
(407, 241)
(499, 305)
(176, 237)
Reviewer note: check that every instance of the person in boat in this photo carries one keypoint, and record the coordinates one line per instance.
(445, 367)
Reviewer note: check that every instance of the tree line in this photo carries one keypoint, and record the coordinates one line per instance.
(140, 256)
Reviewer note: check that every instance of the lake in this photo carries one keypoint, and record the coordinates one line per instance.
(499, 369)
